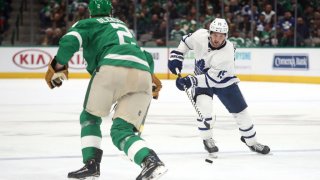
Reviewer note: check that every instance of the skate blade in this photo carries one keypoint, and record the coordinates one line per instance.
(87, 178)
(159, 172)
(212, 156)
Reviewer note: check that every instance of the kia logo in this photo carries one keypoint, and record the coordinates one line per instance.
(77, 61)
(32, 59)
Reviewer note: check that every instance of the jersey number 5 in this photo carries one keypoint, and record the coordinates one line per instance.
(123, 31)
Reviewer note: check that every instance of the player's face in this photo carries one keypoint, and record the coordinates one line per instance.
(217, 39)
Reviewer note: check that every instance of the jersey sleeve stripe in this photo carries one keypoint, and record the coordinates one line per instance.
(207, 83)
(184, 40)
(127, 58)
(220, 82)
(77, 35)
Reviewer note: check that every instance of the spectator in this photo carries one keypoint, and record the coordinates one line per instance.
(283, 6)
(296, 6)
(236, 39)
(261, 23)
(143, 19)
(251, 41)
(182, 9)
(47, 40)
(266, 36)
(154, 24)
(287, 40)
(159, 35)
(308, 15)
(245, 25)
(158, 10)
(209, 14)
(45, 15)
(81, 13)
(177, 32)
(229, 18)
(56, 36)
(192, 15)
(172, 8)
(58, 21)
(241, 15)
(246, 10)
(303, 32)
(269, 14)
(286, 22)
(254, 13)
(234, 7)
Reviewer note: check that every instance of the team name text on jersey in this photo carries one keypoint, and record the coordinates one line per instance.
(109, 20)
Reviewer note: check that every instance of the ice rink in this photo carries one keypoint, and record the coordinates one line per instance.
(39, 134)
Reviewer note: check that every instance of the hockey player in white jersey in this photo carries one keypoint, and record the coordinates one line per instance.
(214, 74)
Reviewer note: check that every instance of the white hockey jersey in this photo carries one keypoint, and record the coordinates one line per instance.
(220, 61)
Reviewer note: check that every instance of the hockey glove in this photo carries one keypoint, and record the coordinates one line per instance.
(175, 61)
(156, 86)
(186, 82)
(55, 77)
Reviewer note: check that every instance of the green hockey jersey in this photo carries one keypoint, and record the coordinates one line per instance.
(105, 41)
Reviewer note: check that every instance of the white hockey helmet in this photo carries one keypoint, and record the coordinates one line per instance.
(219, 25)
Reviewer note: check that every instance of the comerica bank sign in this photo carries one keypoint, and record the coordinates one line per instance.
(291, 61)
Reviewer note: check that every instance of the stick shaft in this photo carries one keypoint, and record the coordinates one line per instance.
(193, 102)
(143, 121)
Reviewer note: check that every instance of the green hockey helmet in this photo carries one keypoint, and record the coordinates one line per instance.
(100, 7)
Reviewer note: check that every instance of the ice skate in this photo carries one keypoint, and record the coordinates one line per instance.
(259, 148)
(91, 169)
(152, 168)
(210, 146)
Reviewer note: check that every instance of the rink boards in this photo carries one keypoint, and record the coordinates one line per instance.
(252, 64)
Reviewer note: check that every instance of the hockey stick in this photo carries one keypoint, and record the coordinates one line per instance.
(211, 156)
(145, 115)
(143, 121)
(193, 103)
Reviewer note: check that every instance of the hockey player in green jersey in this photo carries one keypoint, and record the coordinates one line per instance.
(121, 73)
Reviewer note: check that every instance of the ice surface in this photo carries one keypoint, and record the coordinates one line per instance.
(39, 134)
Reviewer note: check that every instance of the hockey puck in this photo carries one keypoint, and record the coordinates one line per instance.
(209, 161)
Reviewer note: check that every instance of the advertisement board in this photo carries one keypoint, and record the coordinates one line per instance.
(285, 64)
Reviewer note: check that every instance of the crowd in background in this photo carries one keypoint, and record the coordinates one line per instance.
(262, 23)
(56, 16)
(5, 9)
